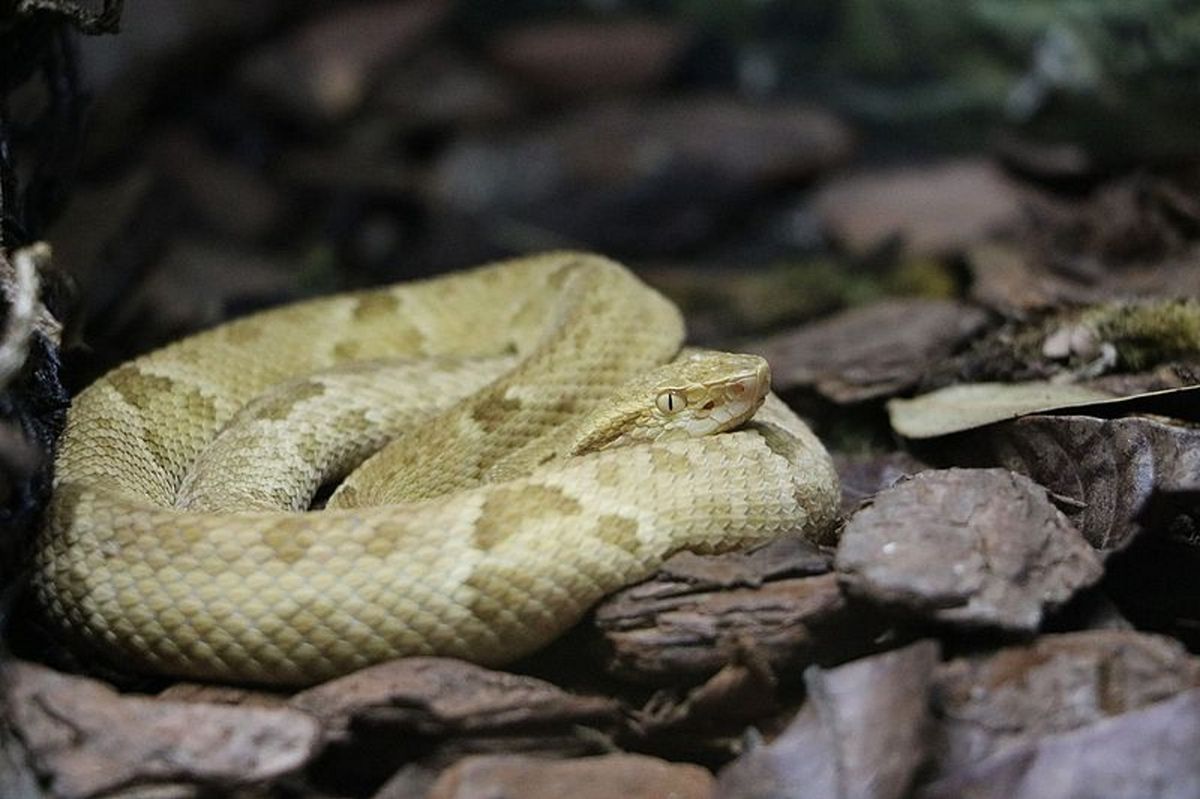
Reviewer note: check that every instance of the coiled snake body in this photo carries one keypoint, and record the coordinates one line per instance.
(177, 540)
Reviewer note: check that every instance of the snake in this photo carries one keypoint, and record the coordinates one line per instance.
(507, 445)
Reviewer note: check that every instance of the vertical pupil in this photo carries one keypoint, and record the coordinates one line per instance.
(670, 402)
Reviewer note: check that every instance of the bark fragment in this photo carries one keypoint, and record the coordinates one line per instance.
(85, 740)
(863, 733)
(971, 547)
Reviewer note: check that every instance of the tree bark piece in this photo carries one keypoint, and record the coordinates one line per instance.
(1147, 752)
(85, 740)
(609, 777)
(862, 735)
(971, 547)
(701, 613)
(994, 702)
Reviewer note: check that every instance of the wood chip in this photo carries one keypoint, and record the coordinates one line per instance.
(86, 740)
(936, 209)
(688, 622)
(996, 701)
(973, 547)
(863, 733)
(1147, 752)
(609, 777)
(874, 351)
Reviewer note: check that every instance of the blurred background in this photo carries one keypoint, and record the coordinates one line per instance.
(763, 162)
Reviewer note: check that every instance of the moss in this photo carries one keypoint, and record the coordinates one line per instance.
(1147, 334)
(923, 277)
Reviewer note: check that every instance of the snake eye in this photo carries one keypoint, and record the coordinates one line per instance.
(671, 402)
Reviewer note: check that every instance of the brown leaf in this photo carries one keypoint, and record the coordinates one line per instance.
(1143, 753)
(1105, 470)
(619, 776)
(87, 741)
(982, 547)
(863, 733)
(990, 703)
(874, 351)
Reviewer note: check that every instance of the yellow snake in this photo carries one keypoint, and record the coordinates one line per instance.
(551, 444)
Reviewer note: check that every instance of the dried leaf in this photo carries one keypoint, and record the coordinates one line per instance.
(1103, 471)
(963, 407)
(937, 209)
(863, 476)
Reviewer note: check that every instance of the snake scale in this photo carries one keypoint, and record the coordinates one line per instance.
(179, 538)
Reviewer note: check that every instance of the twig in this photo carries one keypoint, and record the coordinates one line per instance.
(20, 288)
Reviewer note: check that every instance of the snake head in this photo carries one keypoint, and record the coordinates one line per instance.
(699, 394)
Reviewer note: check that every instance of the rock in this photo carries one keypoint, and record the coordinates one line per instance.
(619, 776)
(691, 620)
(326, 67)
(1146, 752)
(935, 209)
(577, 57)
(85, 740)
(997, 701)
(863, 733)
(969, 547)
(869, 352)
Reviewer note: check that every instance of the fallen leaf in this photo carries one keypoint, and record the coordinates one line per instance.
(963, 407)
(1102, 471)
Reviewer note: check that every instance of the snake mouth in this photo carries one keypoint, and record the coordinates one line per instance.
(742, 397)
